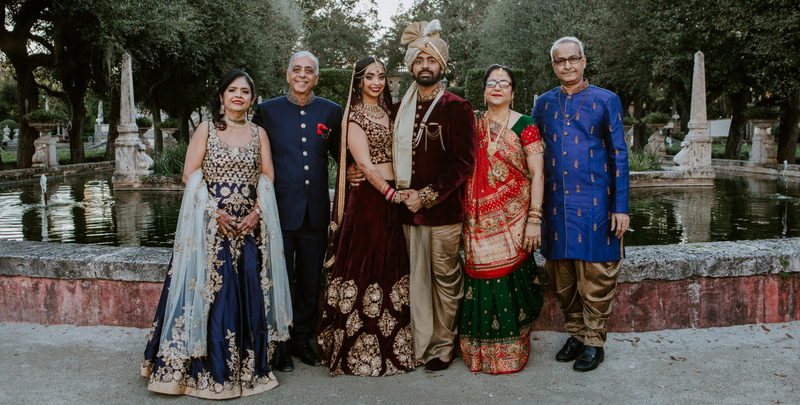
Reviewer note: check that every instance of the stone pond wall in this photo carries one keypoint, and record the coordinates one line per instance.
(660, 287)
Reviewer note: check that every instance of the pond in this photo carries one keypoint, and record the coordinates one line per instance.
(85, 209)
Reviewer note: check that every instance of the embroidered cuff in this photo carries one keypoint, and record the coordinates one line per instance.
(534, 148)
(428, 196)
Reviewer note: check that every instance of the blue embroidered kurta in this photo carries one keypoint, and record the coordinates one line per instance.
(586, 173)
(300, 156)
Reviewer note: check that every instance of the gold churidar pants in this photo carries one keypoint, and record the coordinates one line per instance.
(436, 285)
(585, 290)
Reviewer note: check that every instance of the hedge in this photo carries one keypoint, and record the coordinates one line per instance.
(333, 84)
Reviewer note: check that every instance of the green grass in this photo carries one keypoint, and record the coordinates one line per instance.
(89, 156)
(170, 161)
(643, 162)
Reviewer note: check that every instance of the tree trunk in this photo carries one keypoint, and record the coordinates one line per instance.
(639, 134)
(76, 95)
(28, 100)
(186, 116)
(733, 147)
(113, 121)
(158, 136)
(787, 139)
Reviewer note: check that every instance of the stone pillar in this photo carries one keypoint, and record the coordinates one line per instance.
(131, 158)
(695, 154)
(693, 211)
(763, 151)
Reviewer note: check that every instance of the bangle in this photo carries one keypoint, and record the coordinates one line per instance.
(258, 211)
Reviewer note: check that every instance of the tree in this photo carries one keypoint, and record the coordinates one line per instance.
(535, 25)
(336, 32)
(25, 21)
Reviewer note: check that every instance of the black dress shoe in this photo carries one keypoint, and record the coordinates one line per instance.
(305, 353)
(438, 364)
(571, 350)
(590, 359)
(285, 363)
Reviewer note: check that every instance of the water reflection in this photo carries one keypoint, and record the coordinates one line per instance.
(736, 208)
(85, 209)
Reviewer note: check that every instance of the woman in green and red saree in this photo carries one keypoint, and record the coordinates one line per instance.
(503, 210)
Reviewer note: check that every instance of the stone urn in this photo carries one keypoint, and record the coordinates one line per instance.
(655, 144)
(44, 154)
(143, 131)
(169, 140)
(763, 151)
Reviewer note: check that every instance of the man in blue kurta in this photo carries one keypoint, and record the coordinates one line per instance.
(585, 209)
(302, 129)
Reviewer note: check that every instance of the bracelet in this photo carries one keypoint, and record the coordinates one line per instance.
(258, 211)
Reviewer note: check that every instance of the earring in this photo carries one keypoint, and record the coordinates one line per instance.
(512, 103)
(484, 101)
(222, 110)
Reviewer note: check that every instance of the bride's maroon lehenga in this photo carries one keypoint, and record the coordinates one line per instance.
(365, 321)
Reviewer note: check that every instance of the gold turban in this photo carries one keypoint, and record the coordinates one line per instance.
(424, 37)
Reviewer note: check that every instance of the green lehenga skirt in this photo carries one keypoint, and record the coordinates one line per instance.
(496, 318)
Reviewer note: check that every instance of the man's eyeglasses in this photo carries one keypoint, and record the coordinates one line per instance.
(504, 84)
(573, 60)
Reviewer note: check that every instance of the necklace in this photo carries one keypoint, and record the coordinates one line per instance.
(492, 148)
(235, 123)
(373, 111)
(577, 114)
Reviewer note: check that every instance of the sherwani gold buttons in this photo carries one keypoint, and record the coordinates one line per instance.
(303, 139)
(305, 167)
(569, 97)
(305, 153)
(565, 172)
(303, 125)
(565, 153)
(566, 192)
(308, 182)
(302, 112)
(413, 172)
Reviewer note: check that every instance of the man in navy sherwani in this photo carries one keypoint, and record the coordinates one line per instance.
(302, 130)
(585, 201)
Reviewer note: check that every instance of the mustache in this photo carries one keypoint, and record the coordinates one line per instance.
(425, 70)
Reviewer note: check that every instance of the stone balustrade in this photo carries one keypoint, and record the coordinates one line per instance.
(661, 287)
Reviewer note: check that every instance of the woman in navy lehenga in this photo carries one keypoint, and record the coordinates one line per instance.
(225, 302)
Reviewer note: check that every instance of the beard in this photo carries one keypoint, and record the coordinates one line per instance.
(427, 81)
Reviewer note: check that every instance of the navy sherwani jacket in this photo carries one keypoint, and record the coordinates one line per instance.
(300, 156)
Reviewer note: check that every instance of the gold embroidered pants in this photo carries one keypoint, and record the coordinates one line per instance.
(436, 285)
(585, 290)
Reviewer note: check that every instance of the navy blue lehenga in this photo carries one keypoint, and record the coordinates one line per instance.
(239, 310)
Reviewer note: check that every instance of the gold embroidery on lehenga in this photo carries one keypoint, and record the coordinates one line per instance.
(386, 323)
(333, 291)
(402, 348)
(373, 297)
(347, 296)
(353, 324)
(399, 294)
(364, 357)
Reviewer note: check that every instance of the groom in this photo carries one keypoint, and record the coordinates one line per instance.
(302, 129)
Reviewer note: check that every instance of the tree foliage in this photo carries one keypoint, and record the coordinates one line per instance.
(338, 32)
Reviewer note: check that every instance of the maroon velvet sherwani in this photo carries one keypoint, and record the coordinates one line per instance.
(442, 160)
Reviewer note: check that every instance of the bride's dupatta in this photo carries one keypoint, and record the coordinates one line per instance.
(183, 334)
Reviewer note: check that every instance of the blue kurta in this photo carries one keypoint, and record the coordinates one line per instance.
(586, 173)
